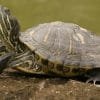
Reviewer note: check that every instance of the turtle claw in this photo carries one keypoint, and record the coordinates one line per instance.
(94, 79)
(91, 79)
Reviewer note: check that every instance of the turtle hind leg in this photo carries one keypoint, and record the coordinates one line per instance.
(94, 77)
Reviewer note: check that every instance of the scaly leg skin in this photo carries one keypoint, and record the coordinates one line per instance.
(95, 77)
(4, 57)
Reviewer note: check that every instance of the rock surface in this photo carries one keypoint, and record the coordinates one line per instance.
(15, 86)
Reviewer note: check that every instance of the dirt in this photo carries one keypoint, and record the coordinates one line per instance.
(16, 86)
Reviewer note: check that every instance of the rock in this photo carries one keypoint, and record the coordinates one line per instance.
(20, 87)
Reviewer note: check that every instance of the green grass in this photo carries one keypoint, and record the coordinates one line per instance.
(32, 12)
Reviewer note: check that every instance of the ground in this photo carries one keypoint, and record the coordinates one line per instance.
(16, 86)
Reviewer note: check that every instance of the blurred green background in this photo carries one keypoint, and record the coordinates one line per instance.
(86, 13)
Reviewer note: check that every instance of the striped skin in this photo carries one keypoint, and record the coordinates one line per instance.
(6, 46)
(9, 37)
(9, 30)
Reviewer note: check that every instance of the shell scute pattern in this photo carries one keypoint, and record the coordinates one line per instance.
(58, 42)
(59, 47)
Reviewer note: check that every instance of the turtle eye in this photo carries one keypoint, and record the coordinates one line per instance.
(37, 67)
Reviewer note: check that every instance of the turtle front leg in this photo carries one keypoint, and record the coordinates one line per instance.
(22, 62)
(27, 62)
(4, 57)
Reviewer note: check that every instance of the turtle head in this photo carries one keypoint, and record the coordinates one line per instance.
(9, 28)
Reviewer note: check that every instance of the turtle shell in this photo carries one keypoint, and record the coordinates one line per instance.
(63, 44)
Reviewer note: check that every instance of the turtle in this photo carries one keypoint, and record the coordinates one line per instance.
(52, 48)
